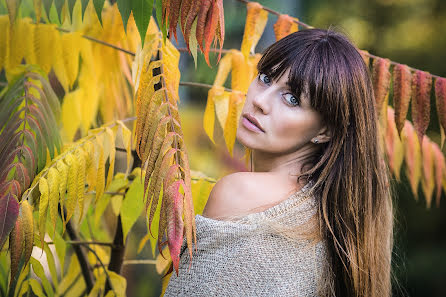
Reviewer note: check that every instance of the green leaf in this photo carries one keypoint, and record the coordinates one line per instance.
(124, 7)
(59, 4)
(132, 205)
(51, 264)
(159, 15)
(155, 224)
(84, 7)
(193, 41)
(37, 289)
(142, 11)
(119, 283)
(61, 248)
(13, 7)
(71, 277)
(70, 8)
(38, 270)
(98, 5)
(47, 6)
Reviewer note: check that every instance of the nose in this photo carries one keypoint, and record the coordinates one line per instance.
(262, 100)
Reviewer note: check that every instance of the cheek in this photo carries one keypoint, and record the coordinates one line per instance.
(294, 127)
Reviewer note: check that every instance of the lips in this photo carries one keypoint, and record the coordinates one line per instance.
(253, 120)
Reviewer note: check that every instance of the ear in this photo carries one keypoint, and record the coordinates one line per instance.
(324, 134)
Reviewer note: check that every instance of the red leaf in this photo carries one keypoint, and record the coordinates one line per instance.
(192, 14)
(201, 22)
(174, 12)
(421, 88)
(440, 95)
(9, 210)
(16, 243)
(185, 7)
(175, 221)
(381, 81)
(402, 78)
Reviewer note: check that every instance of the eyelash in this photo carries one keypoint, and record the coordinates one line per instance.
(262, 81)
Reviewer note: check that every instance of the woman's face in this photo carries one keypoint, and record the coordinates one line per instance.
(288, 123)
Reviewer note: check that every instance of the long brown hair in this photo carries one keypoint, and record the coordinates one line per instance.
(351, 179)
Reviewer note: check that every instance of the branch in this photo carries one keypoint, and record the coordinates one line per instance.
(135, 262)
(199, 85)
(109, 283)
(82, 258)
(80, 242)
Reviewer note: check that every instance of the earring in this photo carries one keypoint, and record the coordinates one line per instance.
(316, 140)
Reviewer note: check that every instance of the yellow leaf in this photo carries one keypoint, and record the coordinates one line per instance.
(4, 40)
(44, 37)
(235, 108)
(224, 67)
(111, 144)
(412, 156)
(240, 75)
(100, 175)
(221, 101)
(53, 182)
(72, 185)
(256, 19)
(71, 49)
(209, 116)
(80, 159)
(71, 113)
(43, 206)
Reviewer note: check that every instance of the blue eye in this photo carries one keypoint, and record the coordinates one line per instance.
(264, 78)
(291, 98)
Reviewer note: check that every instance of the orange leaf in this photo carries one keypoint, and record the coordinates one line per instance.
(402, 78)
(209, 33)
(421, 88)
(256, 19)
(440, 170)
(428, 179)
(412, 156)
(284, 26)
(394, 147)
(440, 95)
(365, 56)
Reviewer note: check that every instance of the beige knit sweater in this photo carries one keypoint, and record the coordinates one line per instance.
(234, 259)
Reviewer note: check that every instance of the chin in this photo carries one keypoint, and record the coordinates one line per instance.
(243, 138)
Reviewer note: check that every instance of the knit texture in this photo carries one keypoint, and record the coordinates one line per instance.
(234, 259)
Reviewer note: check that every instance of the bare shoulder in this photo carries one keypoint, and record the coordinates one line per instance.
(222, 195)
(238, 192)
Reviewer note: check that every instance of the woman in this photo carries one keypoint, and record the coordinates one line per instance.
(311, 125)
